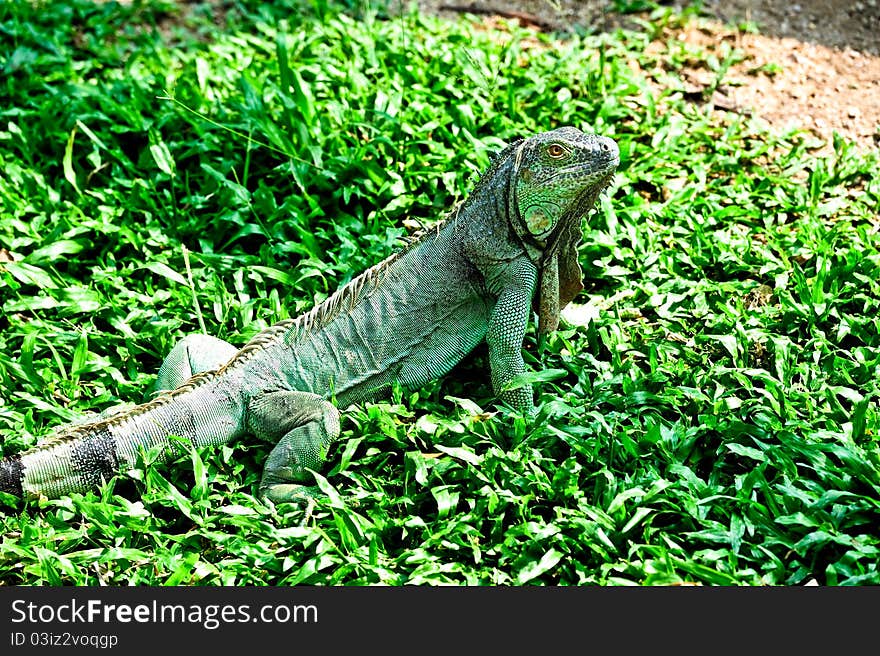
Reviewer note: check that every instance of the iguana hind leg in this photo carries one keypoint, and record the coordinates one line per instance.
(192, 355)
(304, 425)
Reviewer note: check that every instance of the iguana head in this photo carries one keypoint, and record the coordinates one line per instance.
(558, 176)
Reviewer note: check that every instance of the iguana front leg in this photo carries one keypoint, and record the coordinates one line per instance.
(304, 425)
(515, 282)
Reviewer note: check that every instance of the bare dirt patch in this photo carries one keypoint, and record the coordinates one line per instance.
(790, 83)
(838, 24)
(812, 65)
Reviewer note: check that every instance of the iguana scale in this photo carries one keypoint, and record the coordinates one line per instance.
(407, 320)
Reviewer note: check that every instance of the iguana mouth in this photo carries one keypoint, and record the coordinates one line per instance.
(586, 171)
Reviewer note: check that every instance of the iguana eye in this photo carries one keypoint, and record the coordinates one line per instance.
(556, 151)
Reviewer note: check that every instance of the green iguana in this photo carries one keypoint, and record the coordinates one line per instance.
(407, 320)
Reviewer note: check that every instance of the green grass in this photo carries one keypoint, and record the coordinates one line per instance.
(713, 418)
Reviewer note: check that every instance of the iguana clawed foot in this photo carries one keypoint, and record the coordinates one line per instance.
(304, 425)
(289, 493)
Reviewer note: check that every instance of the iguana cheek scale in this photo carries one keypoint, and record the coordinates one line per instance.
(407, 320)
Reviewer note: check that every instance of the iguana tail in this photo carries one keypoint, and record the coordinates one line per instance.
(82, 456)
